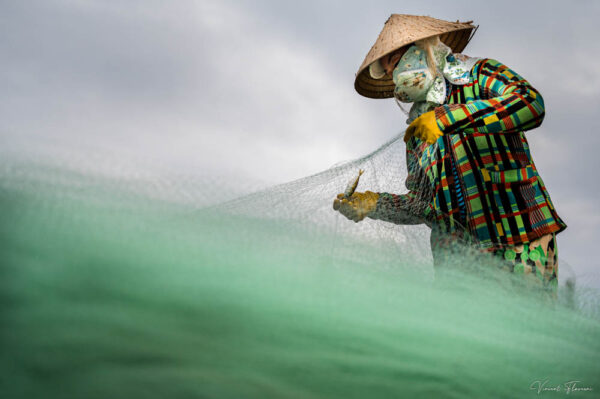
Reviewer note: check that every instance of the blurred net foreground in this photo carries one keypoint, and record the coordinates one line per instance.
(109, 290)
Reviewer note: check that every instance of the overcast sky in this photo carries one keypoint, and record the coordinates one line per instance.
(263, 90)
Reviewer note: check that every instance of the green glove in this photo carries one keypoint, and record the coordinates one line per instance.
(357, 206)
(425, 127)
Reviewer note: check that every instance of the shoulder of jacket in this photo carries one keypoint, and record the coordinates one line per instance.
(488, 65)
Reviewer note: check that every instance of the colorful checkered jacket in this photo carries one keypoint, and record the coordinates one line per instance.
(479, 176)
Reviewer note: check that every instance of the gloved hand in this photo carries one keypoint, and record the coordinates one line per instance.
(358, 206)
(424, 127)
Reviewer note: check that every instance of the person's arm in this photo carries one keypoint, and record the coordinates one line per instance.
(401, 208)
(509, 104)
(412, 207)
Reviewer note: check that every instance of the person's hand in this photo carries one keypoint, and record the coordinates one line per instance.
(357, 206)
(425, 128)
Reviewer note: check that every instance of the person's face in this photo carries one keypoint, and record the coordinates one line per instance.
(389, 62)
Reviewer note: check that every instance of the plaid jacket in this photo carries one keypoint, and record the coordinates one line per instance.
(482, 162)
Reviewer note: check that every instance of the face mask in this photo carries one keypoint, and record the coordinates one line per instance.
(413, 79)
(415, 83)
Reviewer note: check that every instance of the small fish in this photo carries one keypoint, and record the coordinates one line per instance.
(352, 184)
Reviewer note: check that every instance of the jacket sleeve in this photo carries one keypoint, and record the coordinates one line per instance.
(401, 208)
(507, 104)
(412, 207)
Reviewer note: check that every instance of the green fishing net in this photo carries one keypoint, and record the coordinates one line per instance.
(118, 282)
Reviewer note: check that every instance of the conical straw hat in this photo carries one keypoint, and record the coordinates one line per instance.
(402, 30)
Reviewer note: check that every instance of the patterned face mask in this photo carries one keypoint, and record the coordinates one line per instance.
(413, 79)
(415, 83)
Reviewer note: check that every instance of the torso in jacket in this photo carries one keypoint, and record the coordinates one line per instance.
(480, 173)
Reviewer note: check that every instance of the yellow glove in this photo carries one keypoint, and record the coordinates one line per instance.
(357, 206)
(425, 128)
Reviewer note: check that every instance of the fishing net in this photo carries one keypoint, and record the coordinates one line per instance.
(117, 283)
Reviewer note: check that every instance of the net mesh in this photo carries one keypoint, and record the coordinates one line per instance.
(308, 201)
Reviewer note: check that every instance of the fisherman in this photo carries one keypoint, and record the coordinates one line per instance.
(471, 177)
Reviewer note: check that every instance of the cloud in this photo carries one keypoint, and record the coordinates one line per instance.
(197, 82)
